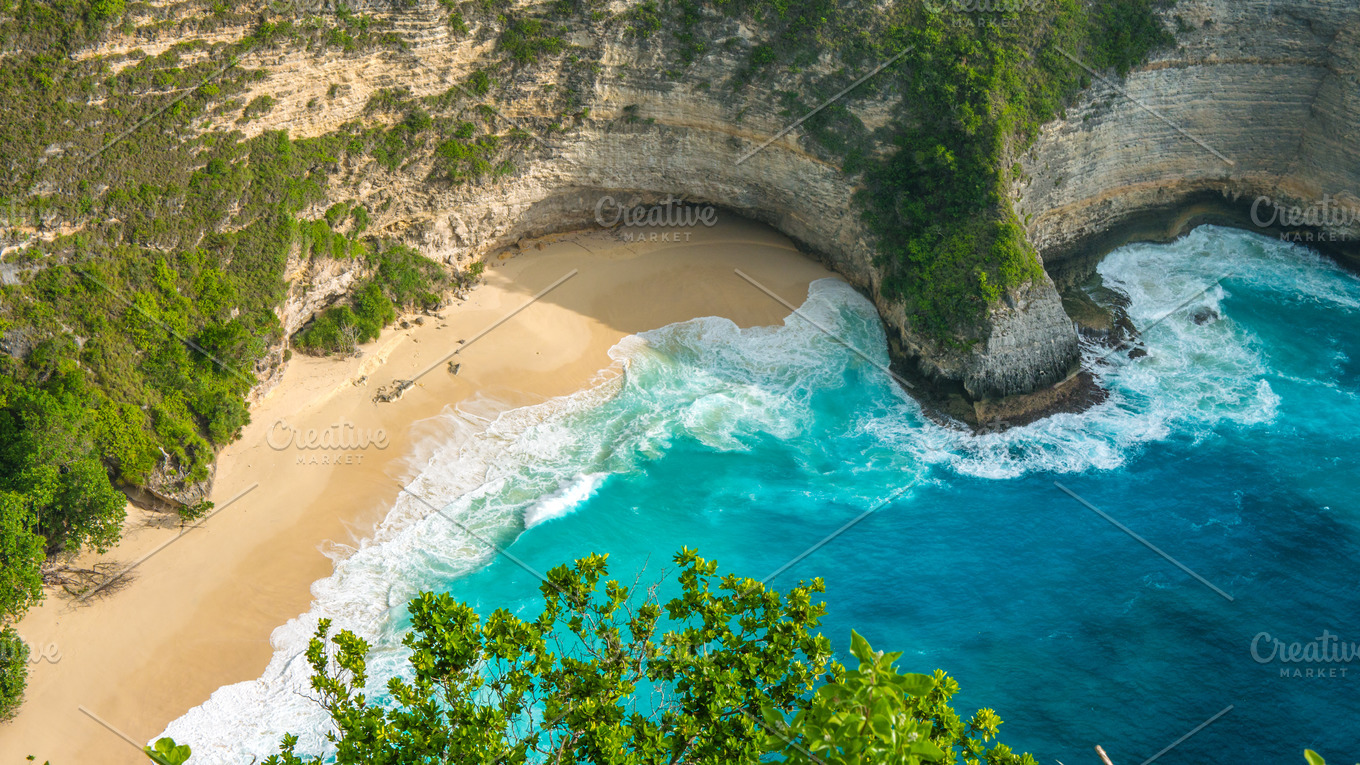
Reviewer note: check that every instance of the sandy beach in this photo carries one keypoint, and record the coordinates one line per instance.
(197, 614)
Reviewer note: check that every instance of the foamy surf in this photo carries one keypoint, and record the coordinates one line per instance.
(571, 496)
(708, 382)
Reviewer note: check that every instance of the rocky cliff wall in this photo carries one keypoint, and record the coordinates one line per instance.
(1255, 100)
(648, 136)
(1258, 101)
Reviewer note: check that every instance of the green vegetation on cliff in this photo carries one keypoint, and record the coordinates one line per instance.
(950, 244)
(975, 85)
(401, 279)
(139, 307)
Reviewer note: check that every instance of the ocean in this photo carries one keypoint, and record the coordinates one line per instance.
(1218, 513)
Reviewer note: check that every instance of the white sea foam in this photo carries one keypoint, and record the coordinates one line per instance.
(571, 496)
(488, 474)
(491, 473)
(1195, 378)
(434, 531)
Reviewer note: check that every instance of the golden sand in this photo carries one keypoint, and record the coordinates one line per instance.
(198, 613)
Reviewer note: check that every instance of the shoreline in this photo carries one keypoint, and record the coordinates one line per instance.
(198, 613)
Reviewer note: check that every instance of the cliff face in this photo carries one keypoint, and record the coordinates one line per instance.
(1258, 101)
(1254, 100)
(648, 137)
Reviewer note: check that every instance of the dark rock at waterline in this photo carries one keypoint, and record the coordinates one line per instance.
(1137, 352)
(1103, 321)
(1204, 315)
(1077, 393)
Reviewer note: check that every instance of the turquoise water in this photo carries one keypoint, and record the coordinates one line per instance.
(1232, 447)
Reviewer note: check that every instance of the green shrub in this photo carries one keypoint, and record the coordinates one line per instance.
(195, 511)
(479, 82)
(167, 752)
(47, 456)
(258, 105)
(402, 278)
(13, 671)
(875, 714)
(644, 19)
(459, 159)
(526, 39)
(333, 331)
(1123, 32)
(372, 311)
(360, 217)
(22, 551)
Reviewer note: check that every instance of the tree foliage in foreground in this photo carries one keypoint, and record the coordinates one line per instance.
(1313, 758)
(725, 672)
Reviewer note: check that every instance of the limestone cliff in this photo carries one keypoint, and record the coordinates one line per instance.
(1258, 101)
(1255, 99)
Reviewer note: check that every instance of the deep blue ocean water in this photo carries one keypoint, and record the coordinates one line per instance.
(1233, 447)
